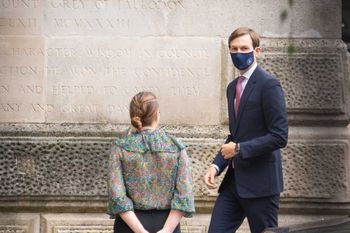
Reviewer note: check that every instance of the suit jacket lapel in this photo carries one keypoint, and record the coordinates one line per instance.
(231, 99)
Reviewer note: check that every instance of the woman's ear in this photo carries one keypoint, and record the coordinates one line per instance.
(158, 116)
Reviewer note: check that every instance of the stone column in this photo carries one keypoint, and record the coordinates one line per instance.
(68, 69)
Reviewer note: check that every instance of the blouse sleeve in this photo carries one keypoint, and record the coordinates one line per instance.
(183, 199)
(118, 201)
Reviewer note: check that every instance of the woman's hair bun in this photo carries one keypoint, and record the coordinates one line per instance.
(136, 122)
(143, 109)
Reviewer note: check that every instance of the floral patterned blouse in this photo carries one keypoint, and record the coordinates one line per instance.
(149, 170)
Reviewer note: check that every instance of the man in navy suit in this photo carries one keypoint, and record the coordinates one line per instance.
(258, 129)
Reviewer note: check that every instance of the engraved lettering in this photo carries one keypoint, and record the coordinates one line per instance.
(150, 4)
(72, 90)
(184, 91)
(115, 72)
(168, 72)
(96, 23)
(62, 52)
(55, 71)
(26, 52)
(18, 4)
(42, 107)
(111, 90)
(100, 4)
(109, 53)
(62, 23)
(32, 89)
(111, 108)
(146, 53)
(67, 4)
(182, 53)
(78, 108)
(75, 71)
(18, 70)
(18, 22)
(118, 23)
(155, 90)
(4, 89)
(10, 107)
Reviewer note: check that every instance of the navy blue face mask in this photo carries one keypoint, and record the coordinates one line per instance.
(242, 60)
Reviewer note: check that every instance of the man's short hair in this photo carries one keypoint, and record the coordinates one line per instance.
(241, 31)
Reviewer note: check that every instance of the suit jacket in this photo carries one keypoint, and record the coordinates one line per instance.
(261, 129)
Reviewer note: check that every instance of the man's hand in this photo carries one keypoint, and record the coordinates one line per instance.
(209, 178)
(228, 150)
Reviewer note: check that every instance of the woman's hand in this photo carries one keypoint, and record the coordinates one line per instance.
(133, 222)
(164, 231)
(172, 221)
(143, 231)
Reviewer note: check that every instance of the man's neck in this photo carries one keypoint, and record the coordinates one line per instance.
(241, 72)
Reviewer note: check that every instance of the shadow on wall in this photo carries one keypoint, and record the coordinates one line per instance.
(346, 22)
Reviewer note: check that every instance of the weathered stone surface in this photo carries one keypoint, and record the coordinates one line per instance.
(312, 169)
(313, 75)
(99, 223)
(201, 221)
(77, 223)
(19, 223)
(54, 168)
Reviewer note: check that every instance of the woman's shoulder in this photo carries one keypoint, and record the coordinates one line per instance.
(156, 141)
(129, 141)
(173, 140)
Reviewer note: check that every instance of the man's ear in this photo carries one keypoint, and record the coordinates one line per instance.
(257, 51)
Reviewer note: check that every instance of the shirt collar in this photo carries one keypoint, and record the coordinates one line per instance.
(249, 72)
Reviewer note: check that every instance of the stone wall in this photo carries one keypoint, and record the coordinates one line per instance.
(68, 69)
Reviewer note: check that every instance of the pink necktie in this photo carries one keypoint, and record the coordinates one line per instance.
(238, 92)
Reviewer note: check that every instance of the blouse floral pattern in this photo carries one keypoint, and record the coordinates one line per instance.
(149, 170)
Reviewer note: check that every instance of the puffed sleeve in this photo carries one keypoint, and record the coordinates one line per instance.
(183, 199)
(118, 201)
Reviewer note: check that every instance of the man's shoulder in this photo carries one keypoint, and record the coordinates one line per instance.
(264, 73)
(265, 77)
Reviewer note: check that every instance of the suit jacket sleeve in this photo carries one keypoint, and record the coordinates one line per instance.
(219, 158)
(275, 114)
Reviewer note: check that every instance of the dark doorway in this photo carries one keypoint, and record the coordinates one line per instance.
(346, 22)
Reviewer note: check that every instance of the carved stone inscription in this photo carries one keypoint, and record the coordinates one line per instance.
(190, 18)
(18, 17)
(101, 17)
(21, 79)
(94, 80)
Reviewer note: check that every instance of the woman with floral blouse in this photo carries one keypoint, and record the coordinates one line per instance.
(149, 177)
